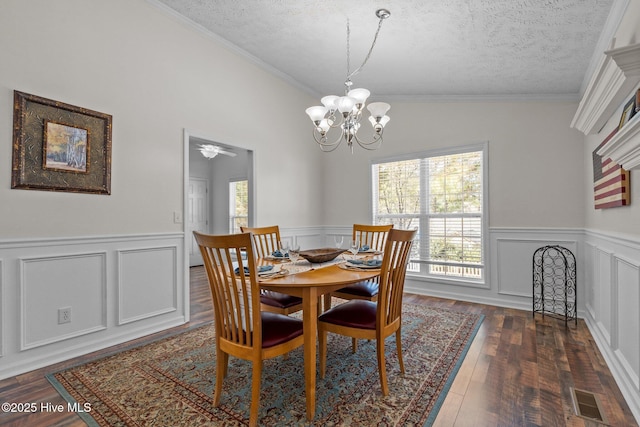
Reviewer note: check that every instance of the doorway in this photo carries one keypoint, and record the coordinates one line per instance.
(206, 202)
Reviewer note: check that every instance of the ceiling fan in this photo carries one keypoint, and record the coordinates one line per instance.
(210, 151)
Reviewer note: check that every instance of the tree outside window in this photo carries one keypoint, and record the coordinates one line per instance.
(441, 196)
(238, 205)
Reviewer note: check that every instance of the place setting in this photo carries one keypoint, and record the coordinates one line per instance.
(362, 258)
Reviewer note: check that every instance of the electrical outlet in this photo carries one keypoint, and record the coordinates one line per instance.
(64, 315)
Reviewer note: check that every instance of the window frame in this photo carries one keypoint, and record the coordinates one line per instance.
(483, 148)
(232, 216)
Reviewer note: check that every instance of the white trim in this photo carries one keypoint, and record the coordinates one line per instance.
(187, 134)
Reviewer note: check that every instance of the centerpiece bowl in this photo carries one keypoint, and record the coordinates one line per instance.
(321, 255)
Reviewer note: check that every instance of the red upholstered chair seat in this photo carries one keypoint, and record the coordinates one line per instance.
(356, 313)
(277, 299)
(367, 289)
(278, 328)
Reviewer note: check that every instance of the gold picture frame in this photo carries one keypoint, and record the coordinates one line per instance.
(628, 112)
(60, 147)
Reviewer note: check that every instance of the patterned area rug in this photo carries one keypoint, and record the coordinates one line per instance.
(171, 382)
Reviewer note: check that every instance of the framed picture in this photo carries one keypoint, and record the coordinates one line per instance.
(60, 147)
(628, 111)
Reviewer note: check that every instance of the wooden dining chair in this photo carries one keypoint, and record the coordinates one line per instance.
(374, 236)
(242, 329)
(374, 320)
(266, 240)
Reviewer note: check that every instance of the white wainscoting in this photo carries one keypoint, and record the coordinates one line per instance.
(508, 271)
(612, 280)
(124, 287)
(118, 288)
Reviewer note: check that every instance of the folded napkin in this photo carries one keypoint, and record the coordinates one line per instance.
(364, 248)
(279, 254)
(261, 269)
(368, 262)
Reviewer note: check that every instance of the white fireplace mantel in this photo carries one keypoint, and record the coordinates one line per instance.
(624, 147)
(616, 76)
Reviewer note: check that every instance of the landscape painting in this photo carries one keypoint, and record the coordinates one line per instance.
(65, 147)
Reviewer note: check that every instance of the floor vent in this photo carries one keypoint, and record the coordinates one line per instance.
(587, 405)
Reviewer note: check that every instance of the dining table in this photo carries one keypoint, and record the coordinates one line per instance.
(311, 285)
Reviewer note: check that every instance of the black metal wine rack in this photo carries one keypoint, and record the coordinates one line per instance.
(554, 283)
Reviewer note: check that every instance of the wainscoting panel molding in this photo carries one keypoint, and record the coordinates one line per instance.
(147, 283)
(605, 292)
(512, 263)
(508, 269)
(626, 279)
(614, 319)
(49, 284)
(2, 321)
(85, 277)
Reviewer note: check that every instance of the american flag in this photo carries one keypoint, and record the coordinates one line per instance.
(610, 181)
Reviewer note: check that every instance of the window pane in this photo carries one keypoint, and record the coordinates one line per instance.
(399, 187)
(238, 205)
(442, 195)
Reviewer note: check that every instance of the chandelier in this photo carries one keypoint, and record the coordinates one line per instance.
(340, 116)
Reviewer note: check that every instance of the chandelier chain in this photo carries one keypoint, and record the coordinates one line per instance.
(373, 44)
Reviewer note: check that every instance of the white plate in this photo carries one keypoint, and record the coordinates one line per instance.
(363, 266)
(275, 270)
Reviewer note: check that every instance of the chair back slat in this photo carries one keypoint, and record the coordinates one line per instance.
(392, 274)
(234, 289)
(266, 240)
(375, 236)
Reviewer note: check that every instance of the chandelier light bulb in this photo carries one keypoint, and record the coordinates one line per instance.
(330, 102)
(316, 114)
(324, 126)
(378, 109)
(345, 104)
(360, 95)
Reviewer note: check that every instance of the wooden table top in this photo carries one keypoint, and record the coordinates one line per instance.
(331, 275)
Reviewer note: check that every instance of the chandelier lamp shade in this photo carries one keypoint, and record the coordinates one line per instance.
(339, 117)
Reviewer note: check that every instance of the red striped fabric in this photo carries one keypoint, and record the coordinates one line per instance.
(610, 181)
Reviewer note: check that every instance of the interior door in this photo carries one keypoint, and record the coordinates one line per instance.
(198, 215)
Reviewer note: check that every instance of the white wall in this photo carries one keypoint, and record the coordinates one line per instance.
(535, 172)
(155, 76)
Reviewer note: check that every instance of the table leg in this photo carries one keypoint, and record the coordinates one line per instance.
(310, 324)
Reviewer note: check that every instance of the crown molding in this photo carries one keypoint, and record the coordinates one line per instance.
(617, 75)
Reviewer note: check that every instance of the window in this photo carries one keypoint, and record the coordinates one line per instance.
(442, 194)
(238, 205)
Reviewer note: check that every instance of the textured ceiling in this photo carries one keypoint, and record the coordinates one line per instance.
(426, 49)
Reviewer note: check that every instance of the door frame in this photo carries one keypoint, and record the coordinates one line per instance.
(187, 134)
(187, 220)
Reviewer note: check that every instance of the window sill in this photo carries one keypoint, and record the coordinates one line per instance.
(470, 283)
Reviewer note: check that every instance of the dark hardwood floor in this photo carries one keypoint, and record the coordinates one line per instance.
(519, 371)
